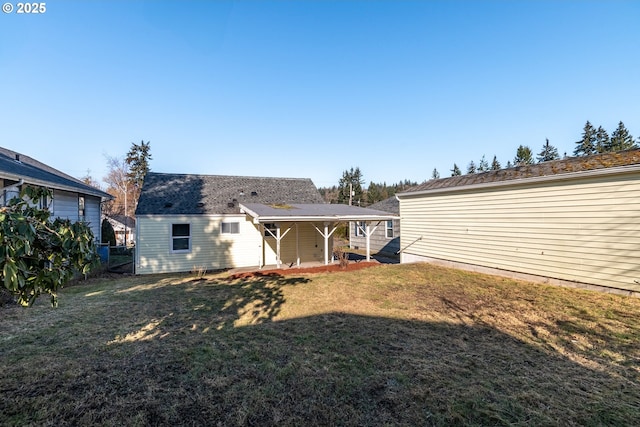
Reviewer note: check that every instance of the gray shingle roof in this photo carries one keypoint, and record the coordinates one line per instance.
(387, 205)
(14, 165)
(173, 194)
(550, 168)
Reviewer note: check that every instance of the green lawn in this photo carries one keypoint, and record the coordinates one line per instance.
(388, 345)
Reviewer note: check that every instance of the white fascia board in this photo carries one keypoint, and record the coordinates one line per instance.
(620, 170)
(252, 214)
(332, 218)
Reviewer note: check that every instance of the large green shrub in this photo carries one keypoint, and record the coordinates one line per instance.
(38, 255)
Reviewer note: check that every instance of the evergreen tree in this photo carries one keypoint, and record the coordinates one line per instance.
(138, 162)
(587, 145)
(602, 141)
(509, 165)
(549, 152)
(108, 233)
(524, 156)
(456, 170)
(353, 177)
(483, 166)
(374, 193)
(137, 167)
(621, 139)
(435, 174)
(472, 167)
(495, 164)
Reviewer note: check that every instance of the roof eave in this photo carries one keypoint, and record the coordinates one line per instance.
(56, 186)
(524, 181)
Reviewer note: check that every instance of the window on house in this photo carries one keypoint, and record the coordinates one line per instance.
(270, 227)
(389, 230)
(80, 208)
(230, 228)
(180, 237)
(360, 226)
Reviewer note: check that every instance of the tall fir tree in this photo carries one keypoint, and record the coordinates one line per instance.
(137, 163)
(373, 193)
(435, 174)
(602, 141)
(495, 164)
(471, 168)
(549, 152)
(621, 139)
(456, 170)
(483, 166)
(524, 156)
(587, 145)
(137, 160)
(509, 165)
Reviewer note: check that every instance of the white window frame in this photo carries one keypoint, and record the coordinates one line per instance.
(359, 231)
(174, 238)
(388, 228)
(82, 207)
(231, 228)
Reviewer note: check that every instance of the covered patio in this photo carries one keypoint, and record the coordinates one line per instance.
(279, 220)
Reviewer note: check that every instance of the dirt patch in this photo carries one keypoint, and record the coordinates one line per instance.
(352, 266)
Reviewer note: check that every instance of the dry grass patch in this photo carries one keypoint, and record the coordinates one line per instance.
(388, 345)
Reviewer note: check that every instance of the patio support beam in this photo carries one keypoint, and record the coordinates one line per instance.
(326, 234)
(368, 231)
(278, 238)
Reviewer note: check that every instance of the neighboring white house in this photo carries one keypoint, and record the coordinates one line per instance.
(386, 237)
(124, 228)
(187, 222)
(72, 199)
(576, 220)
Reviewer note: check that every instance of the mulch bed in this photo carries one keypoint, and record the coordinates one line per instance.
(352, 266)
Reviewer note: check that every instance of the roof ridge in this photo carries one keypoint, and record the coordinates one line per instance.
(224, 176)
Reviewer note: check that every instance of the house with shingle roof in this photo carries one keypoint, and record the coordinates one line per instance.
(188, 222)
(72, 199)
(386, 237)
(575, 220)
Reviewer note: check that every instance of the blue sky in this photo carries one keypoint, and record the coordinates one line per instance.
(311, 88)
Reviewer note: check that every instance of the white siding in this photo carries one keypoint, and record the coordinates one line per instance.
(92, 213)
(211, 249)
(65, 205)
(583, 230)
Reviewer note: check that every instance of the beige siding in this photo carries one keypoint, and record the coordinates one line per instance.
(310, 244)
(213, 250)
(584, 230)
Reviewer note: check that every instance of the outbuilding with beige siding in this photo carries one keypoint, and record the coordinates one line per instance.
(209, 222)
(575, 220)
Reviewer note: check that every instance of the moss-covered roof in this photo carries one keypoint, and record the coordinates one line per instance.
(558, 168)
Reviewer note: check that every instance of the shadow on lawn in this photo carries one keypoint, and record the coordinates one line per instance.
(197, 367)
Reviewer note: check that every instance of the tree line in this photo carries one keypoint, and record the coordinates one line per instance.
(350, 188)
(593, 141)
(353, 180)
